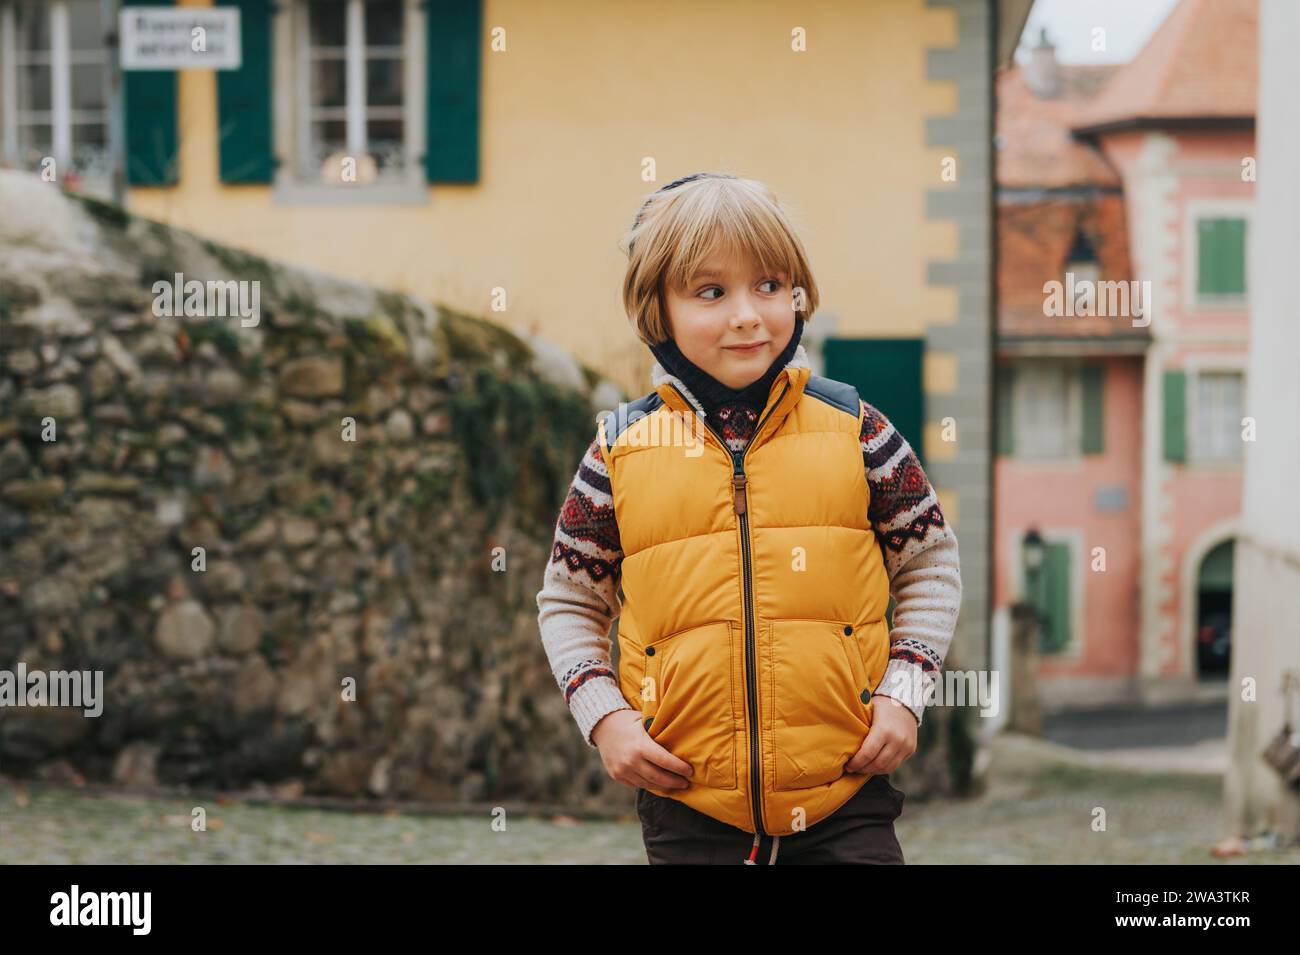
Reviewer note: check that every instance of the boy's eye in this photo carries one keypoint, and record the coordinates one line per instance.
(710, 288)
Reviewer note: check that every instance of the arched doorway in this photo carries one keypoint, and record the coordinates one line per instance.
(1214, 612)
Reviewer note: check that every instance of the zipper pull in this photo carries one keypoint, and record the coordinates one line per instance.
(738, 482)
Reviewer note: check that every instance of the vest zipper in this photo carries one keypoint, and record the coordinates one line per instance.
(740, 504)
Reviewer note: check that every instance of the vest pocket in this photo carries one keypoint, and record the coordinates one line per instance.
(688, 700)
(816, 717)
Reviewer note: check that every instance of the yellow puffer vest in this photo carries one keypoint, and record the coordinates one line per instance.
(752, 632)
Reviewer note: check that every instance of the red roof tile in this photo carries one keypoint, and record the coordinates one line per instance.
(1034, 242)
(1035, 147)
(1201, 62)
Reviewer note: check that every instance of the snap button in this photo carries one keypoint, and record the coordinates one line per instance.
(865, 696)
(649, 651)
(848, 631)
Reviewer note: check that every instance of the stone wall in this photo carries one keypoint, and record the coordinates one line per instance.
(182, 510)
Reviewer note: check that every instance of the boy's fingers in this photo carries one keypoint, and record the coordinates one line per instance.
(661, 757)
(866, 754)
(654, 778)
(883, 763)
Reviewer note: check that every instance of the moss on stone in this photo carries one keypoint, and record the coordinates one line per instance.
(520, 439)
(156, 269)
(377, 330)
(105, 213)
(433, 490)
(476, 341)
(244, 266)
(397, 306)
(316, 508)
(218, 332)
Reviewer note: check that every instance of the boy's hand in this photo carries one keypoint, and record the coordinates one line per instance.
(891, 740)
(632, 758)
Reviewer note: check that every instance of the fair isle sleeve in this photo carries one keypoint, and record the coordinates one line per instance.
(920, 553)
(579, 597)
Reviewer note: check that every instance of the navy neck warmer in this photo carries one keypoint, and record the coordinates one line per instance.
(712, 393)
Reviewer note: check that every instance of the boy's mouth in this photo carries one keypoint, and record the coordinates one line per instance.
(745, 349)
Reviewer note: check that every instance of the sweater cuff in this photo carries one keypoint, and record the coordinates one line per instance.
(593, 700)
(905, 682)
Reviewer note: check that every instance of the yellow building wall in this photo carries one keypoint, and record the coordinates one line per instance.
(585, 92)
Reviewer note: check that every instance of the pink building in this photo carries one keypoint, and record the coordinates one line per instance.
(1121, 413)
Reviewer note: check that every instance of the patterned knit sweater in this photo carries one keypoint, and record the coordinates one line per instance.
(581, 597)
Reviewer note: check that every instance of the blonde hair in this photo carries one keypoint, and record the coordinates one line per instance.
(681, 225)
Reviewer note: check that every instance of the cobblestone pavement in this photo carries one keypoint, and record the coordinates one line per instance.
(1036, 809)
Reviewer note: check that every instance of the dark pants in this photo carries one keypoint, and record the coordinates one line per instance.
(861, 832)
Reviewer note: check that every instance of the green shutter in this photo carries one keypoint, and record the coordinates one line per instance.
(152, 157)
(1207, 277)
(1092, 382)
(1004, 386)
(1221, 256)
(452, 98)
(1053, 597)
(244, 99)
(887, 374)
(1233, 244)
(1175, 402)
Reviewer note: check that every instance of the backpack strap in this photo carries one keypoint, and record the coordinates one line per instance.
(627, 413)
(837, 394)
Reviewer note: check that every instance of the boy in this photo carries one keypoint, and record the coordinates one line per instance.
(757, 518)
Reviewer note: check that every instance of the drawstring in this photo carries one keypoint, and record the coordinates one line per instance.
(753, 851)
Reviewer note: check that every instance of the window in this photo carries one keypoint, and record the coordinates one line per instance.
(353, 100)
(1220, 259)
(1081, 260)
(1217, 433)
(1046, 418)
(1050, 409)
(52, 90)
(353, 115)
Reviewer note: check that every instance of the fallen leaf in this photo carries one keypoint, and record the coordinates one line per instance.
(1232, 846)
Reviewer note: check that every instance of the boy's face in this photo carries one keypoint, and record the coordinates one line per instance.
(731, 302)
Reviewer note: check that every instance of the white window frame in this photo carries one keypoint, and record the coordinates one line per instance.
(1083, 272)
(1194, 211)
(292, 103)
(1021, 448)
(61, 113)
(1198, 453)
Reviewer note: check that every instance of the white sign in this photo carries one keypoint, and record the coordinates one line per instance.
(186, 38)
